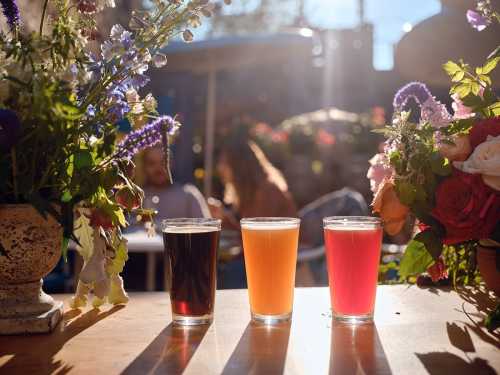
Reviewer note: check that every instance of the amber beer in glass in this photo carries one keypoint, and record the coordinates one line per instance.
(191, 249)
(270, 250)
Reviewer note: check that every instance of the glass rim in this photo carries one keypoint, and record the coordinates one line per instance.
(272, 221)
(356, 221)
(183, 222)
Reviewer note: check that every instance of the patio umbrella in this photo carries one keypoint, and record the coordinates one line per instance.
(229, 53)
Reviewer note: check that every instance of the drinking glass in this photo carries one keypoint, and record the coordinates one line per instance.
(191, 247)
(353, 246)
(270, 249)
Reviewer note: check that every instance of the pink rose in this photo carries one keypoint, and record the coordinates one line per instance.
(460, 151)
(485, 160)
(379, 169)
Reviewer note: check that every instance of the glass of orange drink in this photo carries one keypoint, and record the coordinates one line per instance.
(270, 249)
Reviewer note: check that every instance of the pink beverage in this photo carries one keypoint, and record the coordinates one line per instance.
(353, 247)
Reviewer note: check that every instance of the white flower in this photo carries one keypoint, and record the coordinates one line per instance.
(150, 103)
(101, 4)
(137, 108)
(132, 96)
(116, 32)
(80, 298)
(117, 294)
(159, 60)
(109, 50)
(485, 160)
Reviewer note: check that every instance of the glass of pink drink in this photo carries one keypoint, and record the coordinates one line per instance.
(353, 246)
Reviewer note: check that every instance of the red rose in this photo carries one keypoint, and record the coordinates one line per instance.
(482, 129)
(466, 207)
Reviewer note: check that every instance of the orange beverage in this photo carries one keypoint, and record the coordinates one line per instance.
(270, 249)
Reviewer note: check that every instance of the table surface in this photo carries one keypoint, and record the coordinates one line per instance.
(416, 331)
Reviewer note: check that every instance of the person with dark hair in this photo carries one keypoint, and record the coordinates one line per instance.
(252, 185)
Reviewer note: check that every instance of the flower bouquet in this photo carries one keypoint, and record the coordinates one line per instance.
(66, 106)
(444, 169)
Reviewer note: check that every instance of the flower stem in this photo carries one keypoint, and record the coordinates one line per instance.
(43, 16)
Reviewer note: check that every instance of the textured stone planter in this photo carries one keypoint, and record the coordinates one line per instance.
(30, 249)
(488, 259)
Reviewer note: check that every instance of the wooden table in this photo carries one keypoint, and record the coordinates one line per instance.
(416, 331)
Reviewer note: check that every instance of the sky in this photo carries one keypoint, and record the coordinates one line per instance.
(391, 19)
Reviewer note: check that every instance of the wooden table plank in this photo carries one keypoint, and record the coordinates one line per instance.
(416, 331)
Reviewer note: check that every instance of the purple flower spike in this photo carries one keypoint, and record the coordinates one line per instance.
(10, 129)
(148, 136)
(477, 20)
(416, 90)
(11, 12)
(431, 110)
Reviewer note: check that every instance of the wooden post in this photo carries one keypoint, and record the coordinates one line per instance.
(210, 129)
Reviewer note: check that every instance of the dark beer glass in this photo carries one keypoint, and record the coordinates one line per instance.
(191, 247)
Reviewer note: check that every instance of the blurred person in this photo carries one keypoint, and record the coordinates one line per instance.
(170, 200)
(252, 185)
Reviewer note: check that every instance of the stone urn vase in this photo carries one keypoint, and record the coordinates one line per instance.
(488, 261)
(30, 247)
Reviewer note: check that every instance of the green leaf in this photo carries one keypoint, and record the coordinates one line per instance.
(71, 166)
(66, 197)
(121, 256)
(490, 65)
(440, 165)
(458, 76)
(472, 101)
(485, 79)
(115, 213)
(85, 235)
(415, 260)
(475, 88)
(495, 109)
(83, 159)
(64, 248)
(120, 217)
(431, 241)
(452, 68)
(406, 192)
(462, 90)
(67, 111)
(420, 194)
(492, 321)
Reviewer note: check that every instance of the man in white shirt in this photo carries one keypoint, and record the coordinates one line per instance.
(170, 200)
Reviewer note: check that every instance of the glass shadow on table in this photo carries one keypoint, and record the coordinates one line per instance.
(356, 349)
(170, 352)
(261, 349)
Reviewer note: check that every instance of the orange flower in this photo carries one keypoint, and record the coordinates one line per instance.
(392, 212)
